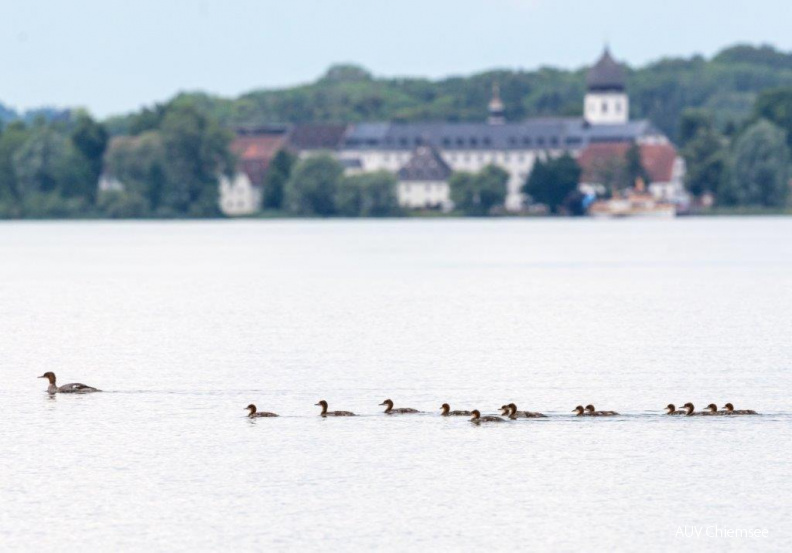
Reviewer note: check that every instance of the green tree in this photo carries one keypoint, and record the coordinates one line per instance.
(311, 189)
(138, 162)
(760, 171)
(463, 189)
(197, 152)
(277, 176)
(41, 161)
(45, 205)
(123, 204)
(368, 195)
(12, 139)
(633, 166)
(692, 122)
(705, 156)
(552, 181)
(347, 73)
(725, 86)
(148, 119)
(90, 140)
(479, 193)
(775, 105)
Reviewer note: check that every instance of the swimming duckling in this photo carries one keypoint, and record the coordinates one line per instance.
(477, 418)
(255, 414)
(515, 414)
(505, 410)
(712, 409)
(389, 410)
(730, 410)
(446, 412)
(580, 411)
(690, 409)
(74, 388)
(594, 413)
(326, 413)
(672, 410)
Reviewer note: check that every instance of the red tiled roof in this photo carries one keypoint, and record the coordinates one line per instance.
(657, 159)
(254, 154)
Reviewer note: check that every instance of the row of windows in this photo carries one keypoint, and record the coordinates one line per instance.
(605, 106)
(472, 142)
(428, 187)
(239, 204)
(464, 158)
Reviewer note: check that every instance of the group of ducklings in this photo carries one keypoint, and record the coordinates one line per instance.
(689, 409)
(509, 411)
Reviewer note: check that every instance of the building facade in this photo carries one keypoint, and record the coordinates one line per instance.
(513, 146)
(404, 148)
(423, 181)
(254, 148)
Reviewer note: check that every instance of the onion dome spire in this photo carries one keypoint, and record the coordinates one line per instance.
(497, 111)
(606, 75)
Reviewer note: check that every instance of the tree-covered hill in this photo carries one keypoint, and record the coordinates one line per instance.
(727, 84)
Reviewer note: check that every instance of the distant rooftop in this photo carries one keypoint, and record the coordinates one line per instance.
(606, 75)
(533, 134)
(425, 165)
(255, 150)
(657, 159)
(319, 136)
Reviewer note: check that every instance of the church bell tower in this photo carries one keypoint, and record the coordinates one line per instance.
(606, 100)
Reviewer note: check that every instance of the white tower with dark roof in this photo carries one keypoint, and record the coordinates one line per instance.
(606, 100)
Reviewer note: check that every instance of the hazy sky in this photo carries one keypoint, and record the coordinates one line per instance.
(113, 56)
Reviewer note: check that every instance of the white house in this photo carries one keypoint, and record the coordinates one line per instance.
(423, 181)
(254, 148)
(238, 195)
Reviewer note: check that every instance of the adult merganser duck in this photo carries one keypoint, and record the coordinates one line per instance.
(446, 412)
(712, 409)
(254, 414)
(326, 413)
(671, 410)
(730, 410)
(389, 410)
(515, 414)
(580, 411)
(594, 413)
(477, 418)
(73, 388)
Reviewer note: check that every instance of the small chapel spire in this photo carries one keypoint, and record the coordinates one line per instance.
(497, 111)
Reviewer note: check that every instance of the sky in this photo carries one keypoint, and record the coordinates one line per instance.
(114, 56)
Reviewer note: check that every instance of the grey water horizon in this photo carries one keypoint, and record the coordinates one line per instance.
(183, 324)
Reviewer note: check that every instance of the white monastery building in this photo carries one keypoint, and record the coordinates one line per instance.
(515, 146)
(423, 155)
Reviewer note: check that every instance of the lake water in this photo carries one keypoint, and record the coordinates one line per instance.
(184, 324)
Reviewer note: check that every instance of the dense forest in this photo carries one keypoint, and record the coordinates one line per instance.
(727, 85)
(730, 115)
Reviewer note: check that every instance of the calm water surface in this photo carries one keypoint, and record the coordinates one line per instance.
(184, 324)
